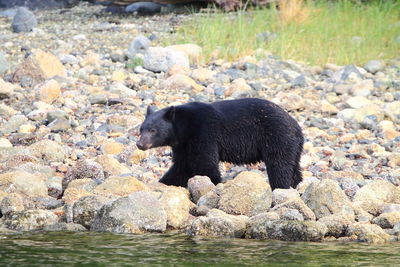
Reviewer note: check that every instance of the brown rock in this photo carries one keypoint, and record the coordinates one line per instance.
(120, 186)
(49, 91)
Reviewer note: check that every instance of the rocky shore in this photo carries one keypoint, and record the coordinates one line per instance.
(74, 91)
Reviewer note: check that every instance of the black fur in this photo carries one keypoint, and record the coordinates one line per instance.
(240, 131)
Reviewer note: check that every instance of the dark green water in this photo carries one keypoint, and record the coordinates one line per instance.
(94, 249)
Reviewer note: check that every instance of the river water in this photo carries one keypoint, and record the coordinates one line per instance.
(103, 249)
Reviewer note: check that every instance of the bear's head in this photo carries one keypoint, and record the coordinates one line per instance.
(157, 129)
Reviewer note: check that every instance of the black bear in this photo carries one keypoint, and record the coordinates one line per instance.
(242, 131)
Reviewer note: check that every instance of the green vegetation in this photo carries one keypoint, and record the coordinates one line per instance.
(134, 62)
(316, 32)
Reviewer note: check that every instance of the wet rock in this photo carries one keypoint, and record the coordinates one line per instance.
(325, 198)
(159, 59)
(84, 169)
(62, 227)
(30, 220)
(387, 220)
(337, 224)
(198, 186)
(11, 203)
(137, 213)
(373, 66)
(372, 196)
(24, 20)
(285, 230)
(219, 224)
(370, 233)
(86, 208)
(139, 45)
(176, 203)
(25, 183)
(247, 194)
(120, 186)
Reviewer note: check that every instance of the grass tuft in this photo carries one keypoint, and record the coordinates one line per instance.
(316, 32)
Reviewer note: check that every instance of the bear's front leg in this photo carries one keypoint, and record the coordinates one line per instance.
(177, 175)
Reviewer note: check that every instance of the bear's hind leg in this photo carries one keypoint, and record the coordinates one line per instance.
(280, 172)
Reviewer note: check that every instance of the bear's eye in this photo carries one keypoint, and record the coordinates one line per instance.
(152, 131)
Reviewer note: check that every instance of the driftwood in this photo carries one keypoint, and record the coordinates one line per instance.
(227, 5)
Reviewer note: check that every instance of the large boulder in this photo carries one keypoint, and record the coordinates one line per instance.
(84, 168)
(325, 198)
(30, 220)
(120, 186)
(366, 232)
(337, 224)
(265, 228)
(387, 220)
(24, 183)
(248, 194)
(373, 196)
(176, 203)
(218, 223)
(137, 213)
(86, 208)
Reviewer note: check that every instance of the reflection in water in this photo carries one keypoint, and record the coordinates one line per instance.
(103, 249)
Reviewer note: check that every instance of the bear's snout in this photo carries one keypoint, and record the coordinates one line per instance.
(142, 146)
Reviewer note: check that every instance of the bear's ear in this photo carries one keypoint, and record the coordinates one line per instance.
(170, 114)
(150, 110)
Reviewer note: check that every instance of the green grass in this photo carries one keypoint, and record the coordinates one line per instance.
(326, 36)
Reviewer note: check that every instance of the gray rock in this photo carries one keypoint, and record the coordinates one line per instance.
(159, 59)
(387, 220)
(346, 73)
(326, 198)
(68, 59)
(3, 64)
(218, 223)
(143, 8)
(235, 197)
(13, 124)
(56, 114)
(11, 203)
(199, 186)
(84, 168)
(337, 224)
(86, 208)
(24, 20)
(373, 66)
(139, 45)
(286, 230)
(59, 125)
(366, 232)
(137, 213)
(30, 220)
(99, 99)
